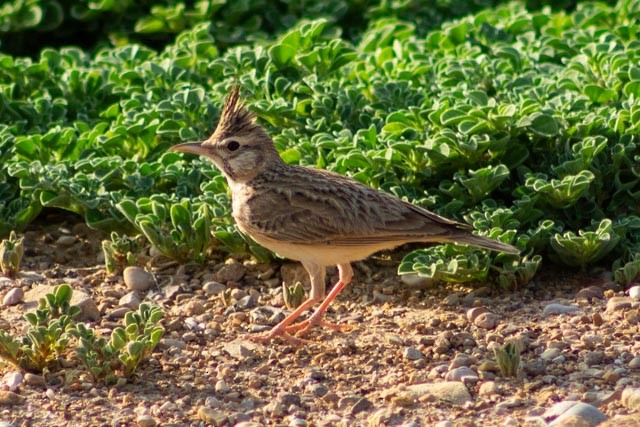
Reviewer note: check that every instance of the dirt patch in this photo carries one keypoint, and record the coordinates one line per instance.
(413, 356)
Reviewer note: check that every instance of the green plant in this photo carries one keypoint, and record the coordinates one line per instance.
(293, 295)
(120, 251)
(11, 252)
(47, 337)
(128, 346)
(508, 359)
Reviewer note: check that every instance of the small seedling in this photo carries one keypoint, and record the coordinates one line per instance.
(120, 252)
(508, 358)
(293, 295)
(11, 252)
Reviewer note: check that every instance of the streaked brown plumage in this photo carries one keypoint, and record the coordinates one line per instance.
(316, 217)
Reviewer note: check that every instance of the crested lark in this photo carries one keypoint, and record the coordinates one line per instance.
(316, 217)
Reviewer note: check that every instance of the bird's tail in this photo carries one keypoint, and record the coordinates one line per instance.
(483, 242)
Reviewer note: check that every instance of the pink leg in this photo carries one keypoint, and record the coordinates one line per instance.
(316, 318)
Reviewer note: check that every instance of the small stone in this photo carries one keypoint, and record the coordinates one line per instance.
(130, 300)
(618, 303)
(137, 279)
(461, 360)
(473, 313)
(10, 398)
(231, 272)
(288, 399)
(221, 386)
(416, 281)
(488, 388)
(211, 416)
(34, 380)
(240, 349)
(11, 381)
(274, 409)
(634, 292)
(411, 353)
(66, 240)
(550, 354)
(393, 339)
(635, 363)
(590, 293)
(246, 302)
(449, 391)
(445, 423)
(631, 398)
(13, 297)
(170, 342)
(361, 405)
(451, 300)
(632, 317)
(550, 309)
(486, 321)
(534, 368)
(463, 374)
(213, 288)
(597, 319)
(118, 313)
(592, 358)
(194, 308)
(379, 418)
(146, 421)
(559, 413)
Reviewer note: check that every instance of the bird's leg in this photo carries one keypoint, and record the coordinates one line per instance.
(317, 274)
(345, 276)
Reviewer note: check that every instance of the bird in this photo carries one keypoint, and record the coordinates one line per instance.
(313, 216)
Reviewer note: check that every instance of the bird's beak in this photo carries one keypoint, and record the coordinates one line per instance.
(190, 147)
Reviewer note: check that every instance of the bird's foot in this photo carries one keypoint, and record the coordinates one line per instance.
(304, 326)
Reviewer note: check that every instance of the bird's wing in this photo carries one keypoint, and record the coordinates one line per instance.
(317, 207)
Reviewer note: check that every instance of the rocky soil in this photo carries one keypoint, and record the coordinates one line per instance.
(414, 356)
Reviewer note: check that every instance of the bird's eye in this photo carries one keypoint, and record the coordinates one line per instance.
(233, 145)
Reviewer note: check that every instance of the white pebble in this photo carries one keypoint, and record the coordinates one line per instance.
(11, 381)
(634, 292)
(13, 297)
(137, 279)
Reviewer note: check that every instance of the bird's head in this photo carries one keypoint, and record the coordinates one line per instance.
(239, 147)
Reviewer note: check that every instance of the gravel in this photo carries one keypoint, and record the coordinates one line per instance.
(416, 357)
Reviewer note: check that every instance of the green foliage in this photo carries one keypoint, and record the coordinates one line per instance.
(47, 337)
(508, 359)
(522, 121)
(293, 295)
(128, 346)
(52, 326)
(120, 251)
(11, 252)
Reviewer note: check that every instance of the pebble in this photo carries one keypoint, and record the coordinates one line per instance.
(146, 421)
(34, 380)
(473, 313)
(445, 423)
(380, 418)
(118, 313)
(212, 417)
(488, 388)
(10, 398)
(618, 303)
(550, 354)
(288, 399)
(231, 272)
(11, 381)
(461, 360)
(246, 302)
(634, 292)
(361, 405)
(194, 308)
(635, 363)
(449, 391)
(590, 293)
(130, 300)
(411, 353)
(213, 288)
(559, 413)
(137, 279)
(5, 282)
(66, 240)
(451, 300)
(13, 297)
(463, 374)
(170, 342)
(592, 358)
(550, 309)
(416, 281)
(631, 398)
(221, 386)
(486, 321)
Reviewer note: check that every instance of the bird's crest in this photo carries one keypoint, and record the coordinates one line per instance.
(235, 117)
